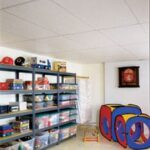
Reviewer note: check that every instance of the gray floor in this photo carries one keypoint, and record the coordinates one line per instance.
(76, 143)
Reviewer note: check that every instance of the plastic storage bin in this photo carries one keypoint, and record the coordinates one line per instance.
(73, 117)
(73, 130)
(53, 136)
(42, 121)
(64, 116)
(73, 111)
(27, 144)
(53, 119)
(38, 105)
(48, 98)
(10, 146)
(29, 98)
(41, 140)
(49, 104)
(64, 103)
(64, 132)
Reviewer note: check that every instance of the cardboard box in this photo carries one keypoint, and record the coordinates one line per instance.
(59, 66)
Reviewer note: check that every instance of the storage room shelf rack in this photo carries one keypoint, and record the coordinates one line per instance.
(33, 71)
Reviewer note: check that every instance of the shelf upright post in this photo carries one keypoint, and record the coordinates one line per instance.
(17, 95)
(62, 79)
(17, 77)
(58, 99)
(33, 102)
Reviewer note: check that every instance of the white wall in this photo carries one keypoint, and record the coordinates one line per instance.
(139, 96)
(95, 72)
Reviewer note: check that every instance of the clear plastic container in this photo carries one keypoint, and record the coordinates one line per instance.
(73, 130)
(41, 121)
(64, 133)
(27, 145)
(10, 146)
(29, 98)
(53, 119)
(41, 140)
(53, 136)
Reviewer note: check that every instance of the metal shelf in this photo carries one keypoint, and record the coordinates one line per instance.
(15, 136)
(46, 109)
(67, 106)
(16, 114)
(67, 91)
(47, 72)
(67, 122)
(28, 91)
(12, 68)
(16, 91)
(45, 91)
(67, 74)
(33, 92)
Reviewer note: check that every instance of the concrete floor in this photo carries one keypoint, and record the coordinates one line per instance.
(76, 143)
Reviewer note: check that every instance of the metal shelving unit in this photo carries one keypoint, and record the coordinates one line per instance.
(15, 137)
(33, 92)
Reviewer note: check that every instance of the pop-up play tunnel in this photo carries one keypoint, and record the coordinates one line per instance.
(105, 120)
(126, 109)
(108, 114)
(133, 130)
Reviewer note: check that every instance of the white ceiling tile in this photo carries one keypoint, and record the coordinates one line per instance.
(140, 50)
(14, 25)
(6, 37)
(59, 44)
(90, 39)
(29, 46)
(50, 16)
(101, 54)
(127, 35)
(100, 13)
(8, 3)
(140, 9)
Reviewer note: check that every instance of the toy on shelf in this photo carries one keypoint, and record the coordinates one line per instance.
(50, 97)
(15, 84)
(6, 130)
(4, 86)
(40, 63)
(59, 66)
(41, 83)
(17, 106)
(125, 124)
(4, 109)
(21, 126)
(20, 61)
(7, 61)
